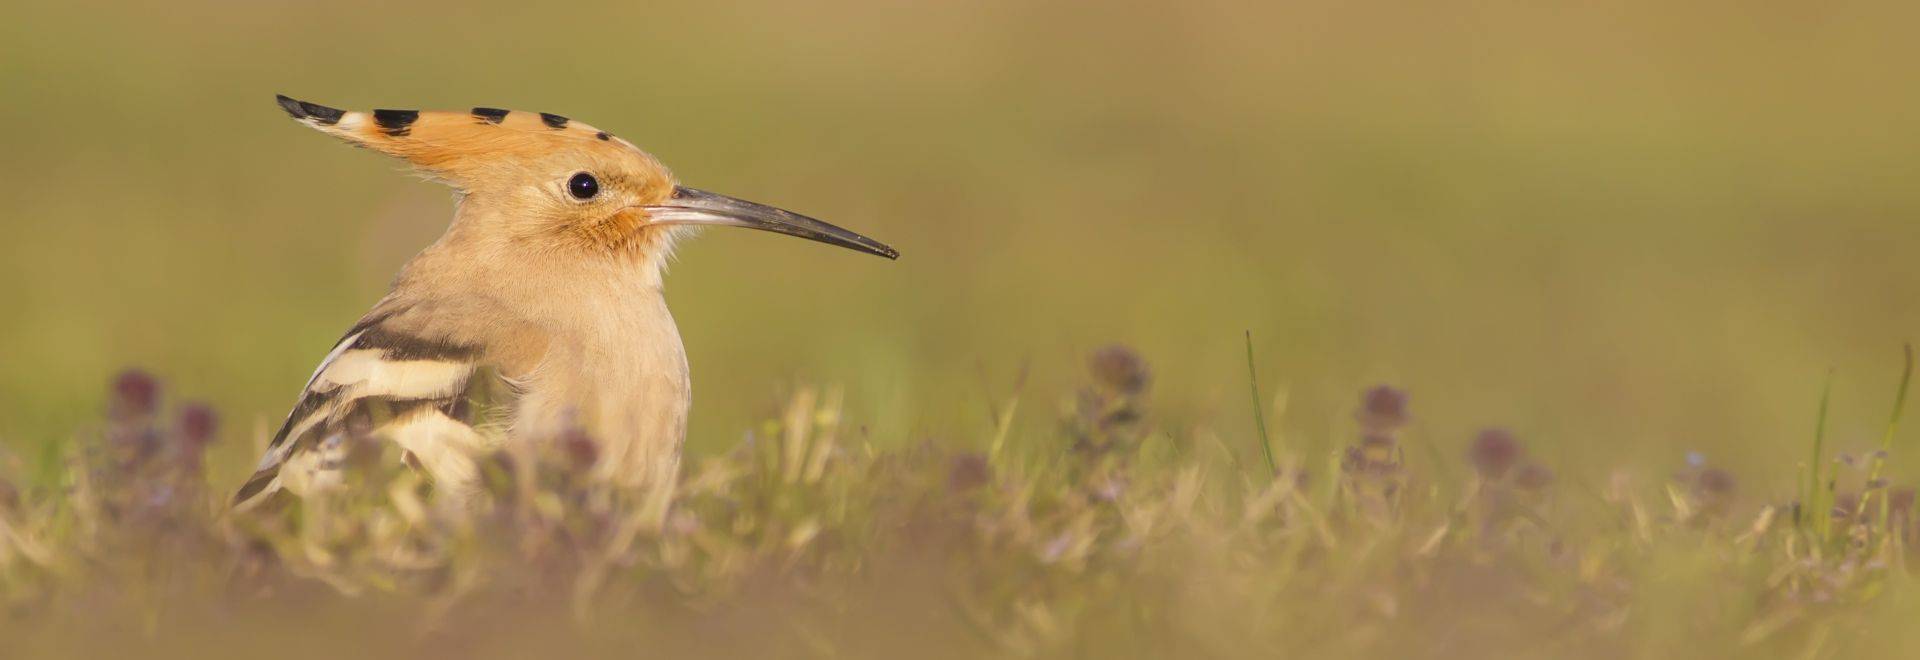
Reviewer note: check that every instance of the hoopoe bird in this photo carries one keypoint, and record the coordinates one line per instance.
(543, 298)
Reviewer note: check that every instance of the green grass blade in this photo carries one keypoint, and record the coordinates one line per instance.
(1816, 509)
(1886, 445)
(1899, 401)
(1259, 417)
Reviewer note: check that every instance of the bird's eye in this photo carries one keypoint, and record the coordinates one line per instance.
(583, 186)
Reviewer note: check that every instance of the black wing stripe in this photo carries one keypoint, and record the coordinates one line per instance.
(322, 412)
(258, 482)
(361, 415)
(398, 346)
(313, 402)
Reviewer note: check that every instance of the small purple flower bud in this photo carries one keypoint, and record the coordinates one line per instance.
(1494, 453)
(1120, 369)
(135, 394)
(1383, 409)
(198, 423)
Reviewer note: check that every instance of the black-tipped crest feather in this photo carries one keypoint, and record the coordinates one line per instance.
(395, 122)
(490, 115)
(303, 110)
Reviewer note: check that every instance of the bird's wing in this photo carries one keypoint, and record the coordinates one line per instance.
(379, 380)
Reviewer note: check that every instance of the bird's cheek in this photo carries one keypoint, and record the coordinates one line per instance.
(603, 231)
(630, 219)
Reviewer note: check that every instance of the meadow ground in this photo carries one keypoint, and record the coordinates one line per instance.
(1644, 237)
(1111, 537)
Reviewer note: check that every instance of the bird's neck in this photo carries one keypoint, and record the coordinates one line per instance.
(621, 375)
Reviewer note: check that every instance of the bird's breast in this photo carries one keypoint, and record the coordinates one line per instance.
(623, 379)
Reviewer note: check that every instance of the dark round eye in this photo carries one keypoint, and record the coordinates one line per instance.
(583, 186)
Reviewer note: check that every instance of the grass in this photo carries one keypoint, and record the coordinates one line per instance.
(1819, 493)
(1110, 537)
(1259, 418)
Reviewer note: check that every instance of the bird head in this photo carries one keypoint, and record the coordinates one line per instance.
(547, 182)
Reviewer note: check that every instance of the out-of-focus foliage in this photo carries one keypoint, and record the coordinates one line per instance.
(1111, 538)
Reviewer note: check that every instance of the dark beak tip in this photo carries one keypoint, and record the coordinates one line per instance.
(717, 209)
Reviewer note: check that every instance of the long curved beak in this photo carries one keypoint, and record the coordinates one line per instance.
(699, 207)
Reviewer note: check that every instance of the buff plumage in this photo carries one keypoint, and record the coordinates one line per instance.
(539, 311)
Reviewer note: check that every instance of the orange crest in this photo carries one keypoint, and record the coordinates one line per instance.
(466, 148)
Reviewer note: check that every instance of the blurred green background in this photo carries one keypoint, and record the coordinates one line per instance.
(1626, 231)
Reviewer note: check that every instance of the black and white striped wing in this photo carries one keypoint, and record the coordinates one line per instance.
(384, 383)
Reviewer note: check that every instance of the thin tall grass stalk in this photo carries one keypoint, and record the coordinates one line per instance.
(1259, 418)
(1886, 445)
(1814, 505)
(1001, 427)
